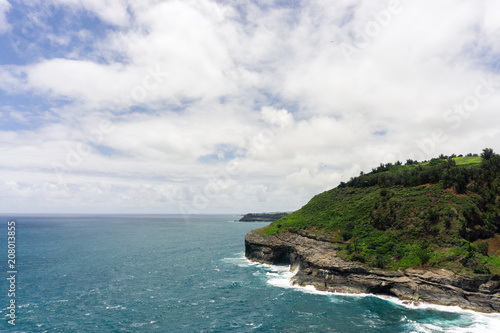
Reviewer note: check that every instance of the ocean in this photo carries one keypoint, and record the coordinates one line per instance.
(165, 273)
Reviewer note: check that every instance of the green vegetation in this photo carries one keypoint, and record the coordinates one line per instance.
(442, 213)
(261, 217)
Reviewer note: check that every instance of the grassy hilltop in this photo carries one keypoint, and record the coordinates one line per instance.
(444, 213)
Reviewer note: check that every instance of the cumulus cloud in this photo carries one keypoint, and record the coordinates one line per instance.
(208, 106)
(111, 11)
(4, 8)
(281, 118)
(173, 51)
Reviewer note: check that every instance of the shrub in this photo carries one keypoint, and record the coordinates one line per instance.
(482, 269)
(447, 222)
(482, 247)
(346, 235)
(358, 257)
(399, 251)
(433, 216)
(435, 230)
(381, 261)
(423, 253)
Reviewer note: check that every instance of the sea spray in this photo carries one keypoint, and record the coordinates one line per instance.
(281, 276)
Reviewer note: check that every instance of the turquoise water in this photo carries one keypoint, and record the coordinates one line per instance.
(166, 274)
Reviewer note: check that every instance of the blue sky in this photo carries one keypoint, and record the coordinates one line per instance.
(200, 106)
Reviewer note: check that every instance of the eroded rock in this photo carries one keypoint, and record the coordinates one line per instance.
(319, 265)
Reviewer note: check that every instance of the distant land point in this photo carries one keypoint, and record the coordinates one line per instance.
(262, 217)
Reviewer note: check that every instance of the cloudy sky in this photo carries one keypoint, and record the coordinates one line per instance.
(233, 106)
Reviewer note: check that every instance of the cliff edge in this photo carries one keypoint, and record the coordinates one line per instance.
(317, 262)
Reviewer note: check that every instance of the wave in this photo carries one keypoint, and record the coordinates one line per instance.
(280, 276)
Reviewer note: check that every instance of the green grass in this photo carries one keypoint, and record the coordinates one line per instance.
(464, 161)
(400, 227)
(468, 160)
(494, 263)
(399, 168)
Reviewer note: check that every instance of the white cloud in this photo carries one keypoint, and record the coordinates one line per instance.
(245, 104)
(111, 11)
(4, 24)
(281, 118)
(174, 50)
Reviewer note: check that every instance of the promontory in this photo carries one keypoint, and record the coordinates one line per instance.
(422, 231)
(262, 217)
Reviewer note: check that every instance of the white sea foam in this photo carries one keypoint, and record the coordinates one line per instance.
(483, 322)
(478, 325)
(116, 307)
(281, 277)
(241, 261)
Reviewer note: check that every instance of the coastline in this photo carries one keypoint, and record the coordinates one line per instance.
(261, 217)
(288, 275)
(315, 264)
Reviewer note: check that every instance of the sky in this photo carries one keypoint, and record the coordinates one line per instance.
(233, 106)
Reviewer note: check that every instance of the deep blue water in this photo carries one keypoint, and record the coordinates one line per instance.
(166, 274)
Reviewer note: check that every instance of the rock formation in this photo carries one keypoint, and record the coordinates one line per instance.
(318, 265)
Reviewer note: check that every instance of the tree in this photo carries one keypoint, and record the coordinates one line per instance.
(451, 163)
(487, 153)
(460, 184)
(423, 253)
(382, 181)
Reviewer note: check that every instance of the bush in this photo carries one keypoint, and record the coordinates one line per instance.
(399, 251)
(358, 257)
(435, 230)
(447, 222)
(482, 247)
(381, 261)
(346, 235)
(482, 269)
(433, 216)
(423, 253)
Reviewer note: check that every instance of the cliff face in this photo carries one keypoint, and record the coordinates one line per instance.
(318, 265)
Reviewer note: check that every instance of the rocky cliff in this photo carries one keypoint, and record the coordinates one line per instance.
(318, 265)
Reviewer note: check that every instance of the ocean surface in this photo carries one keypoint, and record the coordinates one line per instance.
(167, 274)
